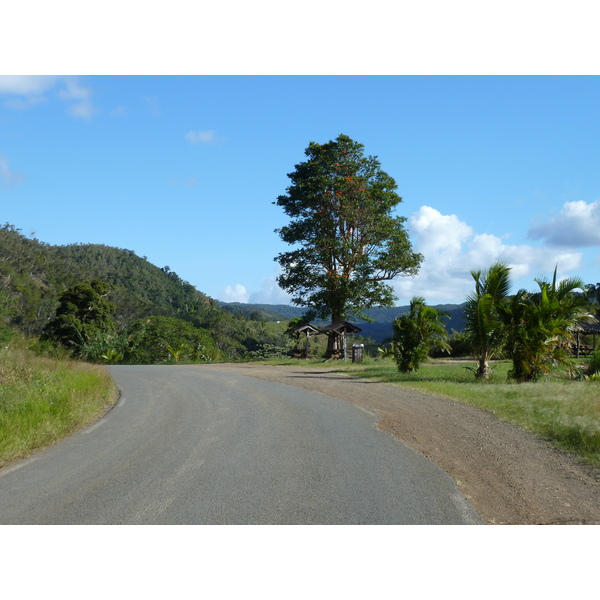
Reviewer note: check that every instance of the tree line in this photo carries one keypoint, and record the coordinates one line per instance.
(108, 304)
(535, 330)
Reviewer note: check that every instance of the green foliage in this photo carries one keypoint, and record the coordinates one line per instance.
(540, 327)
(84, 314)
(483, 326)
(416, 334)
(34, 274)
(43, 399)
(269, 352)
(298, 321)
(459, 345)
(347, 241)
(593, 365)
(164, 339)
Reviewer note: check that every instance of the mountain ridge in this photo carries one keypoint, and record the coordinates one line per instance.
(379, 330)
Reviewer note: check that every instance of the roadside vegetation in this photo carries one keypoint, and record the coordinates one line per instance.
(44, 398)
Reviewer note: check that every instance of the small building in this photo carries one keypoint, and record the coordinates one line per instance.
(302, 349)
(337, 332)
(588, 329)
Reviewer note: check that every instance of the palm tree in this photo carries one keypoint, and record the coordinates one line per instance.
(417, 333)
(483, 325)
(540, 327)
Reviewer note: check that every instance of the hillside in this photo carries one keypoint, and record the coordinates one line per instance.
(33, 274)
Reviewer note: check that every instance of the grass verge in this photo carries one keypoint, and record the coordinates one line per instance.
(45, 399)
(565, 412)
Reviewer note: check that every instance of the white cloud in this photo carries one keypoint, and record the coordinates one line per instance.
(25, 91)
(201, 137)
(237, 293)
(577, 226)
(438, 232)
(26, 85)
(451, 249)
(270, 293)
(8, 177)
(80, 96)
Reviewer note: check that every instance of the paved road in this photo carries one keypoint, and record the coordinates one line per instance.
(191, 445)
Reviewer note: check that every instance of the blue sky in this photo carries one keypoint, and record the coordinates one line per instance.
(185, 169)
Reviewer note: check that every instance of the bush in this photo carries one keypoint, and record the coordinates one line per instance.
(164, 339)
(593, 365)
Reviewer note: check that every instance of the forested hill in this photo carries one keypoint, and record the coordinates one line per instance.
(33, 274)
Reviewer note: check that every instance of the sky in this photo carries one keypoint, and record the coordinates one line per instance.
(184, 170)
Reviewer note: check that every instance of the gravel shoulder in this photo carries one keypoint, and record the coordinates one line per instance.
(509, 475)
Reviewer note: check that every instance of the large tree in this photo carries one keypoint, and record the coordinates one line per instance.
(347, 240)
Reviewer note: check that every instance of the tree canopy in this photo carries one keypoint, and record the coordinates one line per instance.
(84, 312)
(347, 241)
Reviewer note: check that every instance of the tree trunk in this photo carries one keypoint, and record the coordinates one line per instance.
(483, 369)
(335, 345)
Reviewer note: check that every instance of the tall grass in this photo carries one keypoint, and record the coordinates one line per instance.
(563, 411)
(43, 399)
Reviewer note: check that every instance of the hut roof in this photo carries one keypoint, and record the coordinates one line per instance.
(588, 328)
(340, 327)
(308, 328)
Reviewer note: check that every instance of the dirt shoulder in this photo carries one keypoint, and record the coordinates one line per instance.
(509, 475)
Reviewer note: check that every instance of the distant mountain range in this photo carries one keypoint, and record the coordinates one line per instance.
(379, 330)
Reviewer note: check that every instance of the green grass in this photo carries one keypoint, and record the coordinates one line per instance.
(44, 399)
(565, 412)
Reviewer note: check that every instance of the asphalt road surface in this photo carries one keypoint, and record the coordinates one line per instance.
(191, 445)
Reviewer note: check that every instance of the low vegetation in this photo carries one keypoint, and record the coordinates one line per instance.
(43, 399)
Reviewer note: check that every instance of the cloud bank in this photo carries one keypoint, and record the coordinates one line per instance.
(452, 249)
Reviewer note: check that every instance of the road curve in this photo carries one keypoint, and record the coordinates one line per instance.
(191, 445)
